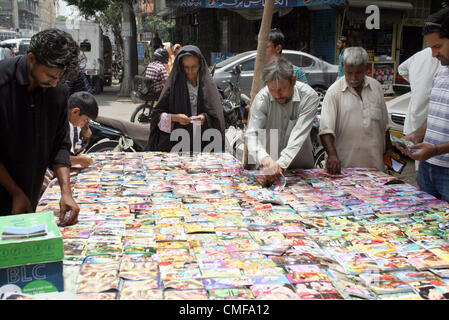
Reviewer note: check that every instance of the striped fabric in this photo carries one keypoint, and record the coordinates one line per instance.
(157, 72)
(438, 115)
(80, 84)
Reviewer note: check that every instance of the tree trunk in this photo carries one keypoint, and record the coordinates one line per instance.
(118, 40)
(262, 41)
(129, 34)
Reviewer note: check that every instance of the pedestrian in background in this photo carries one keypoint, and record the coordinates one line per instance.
(341, 46)
(276, 40)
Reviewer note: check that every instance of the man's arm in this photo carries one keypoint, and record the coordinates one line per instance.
(403, 68)
(328, 118)
(418, 135)
(69, 210)
(60, 162)
(301, 130)
(81, 161)
(256, 124)
(425, 150)
(333, 163)
(20, 202)
(428, 150)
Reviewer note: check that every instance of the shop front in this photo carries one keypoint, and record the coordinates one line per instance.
(382, 44)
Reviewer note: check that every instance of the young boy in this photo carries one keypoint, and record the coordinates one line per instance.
(82, 108)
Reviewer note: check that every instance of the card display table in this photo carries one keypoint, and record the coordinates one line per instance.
(168, 226)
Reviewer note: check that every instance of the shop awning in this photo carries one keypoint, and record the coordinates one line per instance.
(398, 5)
(251, 4)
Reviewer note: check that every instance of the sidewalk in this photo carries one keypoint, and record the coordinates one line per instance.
(408, 175)
(110, 105)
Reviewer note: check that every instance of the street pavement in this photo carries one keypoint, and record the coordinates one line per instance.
(121, 108)
(111, 106)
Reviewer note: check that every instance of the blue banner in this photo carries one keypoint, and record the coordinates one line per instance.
(217, 57)
(250, 4)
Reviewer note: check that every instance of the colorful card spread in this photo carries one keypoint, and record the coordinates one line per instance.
(230, 294)
(185, 295)
(317, 291)
(172, 226)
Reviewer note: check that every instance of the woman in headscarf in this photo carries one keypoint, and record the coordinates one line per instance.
(190, 100)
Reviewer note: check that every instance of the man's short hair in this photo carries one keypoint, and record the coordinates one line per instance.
(55, 48)
(354, 56)
(277, 69)
(86, 102)
(276, 37)
(438, 22)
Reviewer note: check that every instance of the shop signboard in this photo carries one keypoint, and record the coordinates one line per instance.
(250, 4)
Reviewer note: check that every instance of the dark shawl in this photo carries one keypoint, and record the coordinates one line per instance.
(174, 99)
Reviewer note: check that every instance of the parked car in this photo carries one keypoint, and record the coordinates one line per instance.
(397, 110)
(320, 74)
(19, 46)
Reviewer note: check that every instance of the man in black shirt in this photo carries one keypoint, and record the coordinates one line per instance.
(34, 129)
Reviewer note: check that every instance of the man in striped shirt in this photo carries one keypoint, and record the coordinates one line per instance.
(432, 138)
(156, 70)
(79, 84)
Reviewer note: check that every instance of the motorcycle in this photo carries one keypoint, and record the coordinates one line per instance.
(235, 103)
(143, 89)
(319, 153)
(116, 135)
(235, 110)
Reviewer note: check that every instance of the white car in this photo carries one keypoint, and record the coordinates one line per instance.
(397, 110)
(16, 44)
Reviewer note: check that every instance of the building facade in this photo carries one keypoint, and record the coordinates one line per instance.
(312, 26)
(29, 16)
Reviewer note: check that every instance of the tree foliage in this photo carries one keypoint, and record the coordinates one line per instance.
(156, 24)
(89, 8)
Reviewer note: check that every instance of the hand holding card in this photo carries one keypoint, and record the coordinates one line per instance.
(198, 120)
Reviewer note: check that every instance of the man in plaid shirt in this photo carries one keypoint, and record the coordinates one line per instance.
(156, 69)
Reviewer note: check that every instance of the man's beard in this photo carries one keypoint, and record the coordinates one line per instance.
(355, 84)
(286, 100)
(443, 60)
(36, 80)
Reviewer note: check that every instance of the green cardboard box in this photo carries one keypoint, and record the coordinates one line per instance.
(30, 249)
